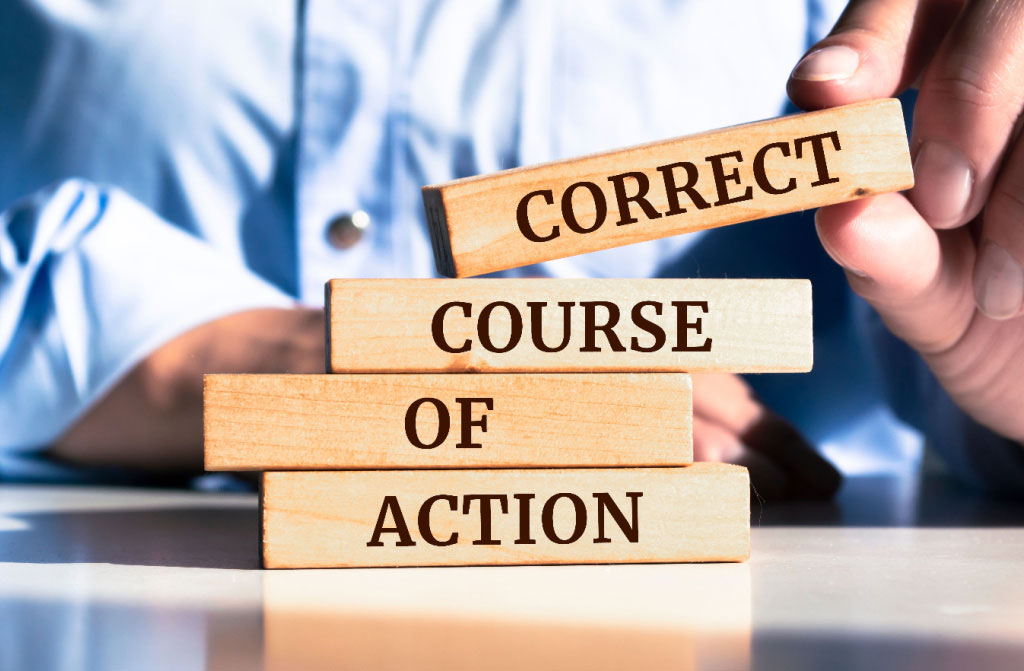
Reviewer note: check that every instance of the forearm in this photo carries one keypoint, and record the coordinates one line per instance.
(152, 418)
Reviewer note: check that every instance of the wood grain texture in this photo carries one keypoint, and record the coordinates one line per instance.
(475, 222)
(300, 422)
(381, 326)
(694, 513)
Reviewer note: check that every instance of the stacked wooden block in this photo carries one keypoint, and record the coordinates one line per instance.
(537, 421)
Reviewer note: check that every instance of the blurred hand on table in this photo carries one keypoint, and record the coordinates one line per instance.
(730, 424)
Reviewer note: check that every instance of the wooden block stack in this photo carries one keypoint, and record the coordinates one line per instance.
(540, 421)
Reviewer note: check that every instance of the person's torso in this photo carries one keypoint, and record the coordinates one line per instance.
(258, 124)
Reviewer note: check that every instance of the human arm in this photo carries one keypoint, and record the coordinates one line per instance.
(95, 291)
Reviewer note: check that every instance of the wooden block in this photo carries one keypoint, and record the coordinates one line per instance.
(547, 325)
(527, 215)
(296, 422)
(695, 513)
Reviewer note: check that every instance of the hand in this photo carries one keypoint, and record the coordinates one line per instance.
(729, 424)
(153, 418)
(943, 264)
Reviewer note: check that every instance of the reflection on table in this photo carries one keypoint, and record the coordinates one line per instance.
(580, 617)
(893, 573)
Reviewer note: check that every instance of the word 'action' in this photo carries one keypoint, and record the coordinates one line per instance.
(606, 505)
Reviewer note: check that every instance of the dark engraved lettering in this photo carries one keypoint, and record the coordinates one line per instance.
(600, 207)
(648, 326)
(818, 147)
(722, 179)
(437, 327)
(523, 216)
(485, 514)
(444, 423)
(623, 201)
(689, 187)
(761, 177)
(547, 518)
(424, 519)
(631, 530)
(404, 539)
(591, 327)
(537, 325)
(468, 422)
(683, 325)
(483, 327)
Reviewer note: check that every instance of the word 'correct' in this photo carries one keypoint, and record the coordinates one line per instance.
(676, 179)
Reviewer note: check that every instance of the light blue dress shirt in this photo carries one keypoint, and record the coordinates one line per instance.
(164, 164)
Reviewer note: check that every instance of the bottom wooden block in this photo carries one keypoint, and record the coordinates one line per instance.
(697, 513)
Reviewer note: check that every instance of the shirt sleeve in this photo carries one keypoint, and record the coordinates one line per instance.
(90, 283)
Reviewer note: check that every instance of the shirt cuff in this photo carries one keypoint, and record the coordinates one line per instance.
(90, 283)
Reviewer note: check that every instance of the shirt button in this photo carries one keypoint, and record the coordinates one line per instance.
(345, 230)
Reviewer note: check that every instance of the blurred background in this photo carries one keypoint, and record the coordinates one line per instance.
(164, 165)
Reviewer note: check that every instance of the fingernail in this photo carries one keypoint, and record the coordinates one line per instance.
(998, 282)
(827, 64)
(944, 180)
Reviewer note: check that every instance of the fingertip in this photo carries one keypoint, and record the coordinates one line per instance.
(837, 62)
(837, 73)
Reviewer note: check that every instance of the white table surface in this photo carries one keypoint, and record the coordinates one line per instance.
(892, 575)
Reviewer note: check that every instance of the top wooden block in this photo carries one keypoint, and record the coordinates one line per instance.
(528, 215)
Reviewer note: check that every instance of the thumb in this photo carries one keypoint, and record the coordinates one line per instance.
(917, 278)
(876, 50)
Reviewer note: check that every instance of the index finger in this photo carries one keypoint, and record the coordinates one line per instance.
(876, 50)
(970, 99)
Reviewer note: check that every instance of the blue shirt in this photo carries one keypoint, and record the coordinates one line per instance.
(164, 164)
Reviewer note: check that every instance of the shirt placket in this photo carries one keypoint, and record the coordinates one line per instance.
(344, 162)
